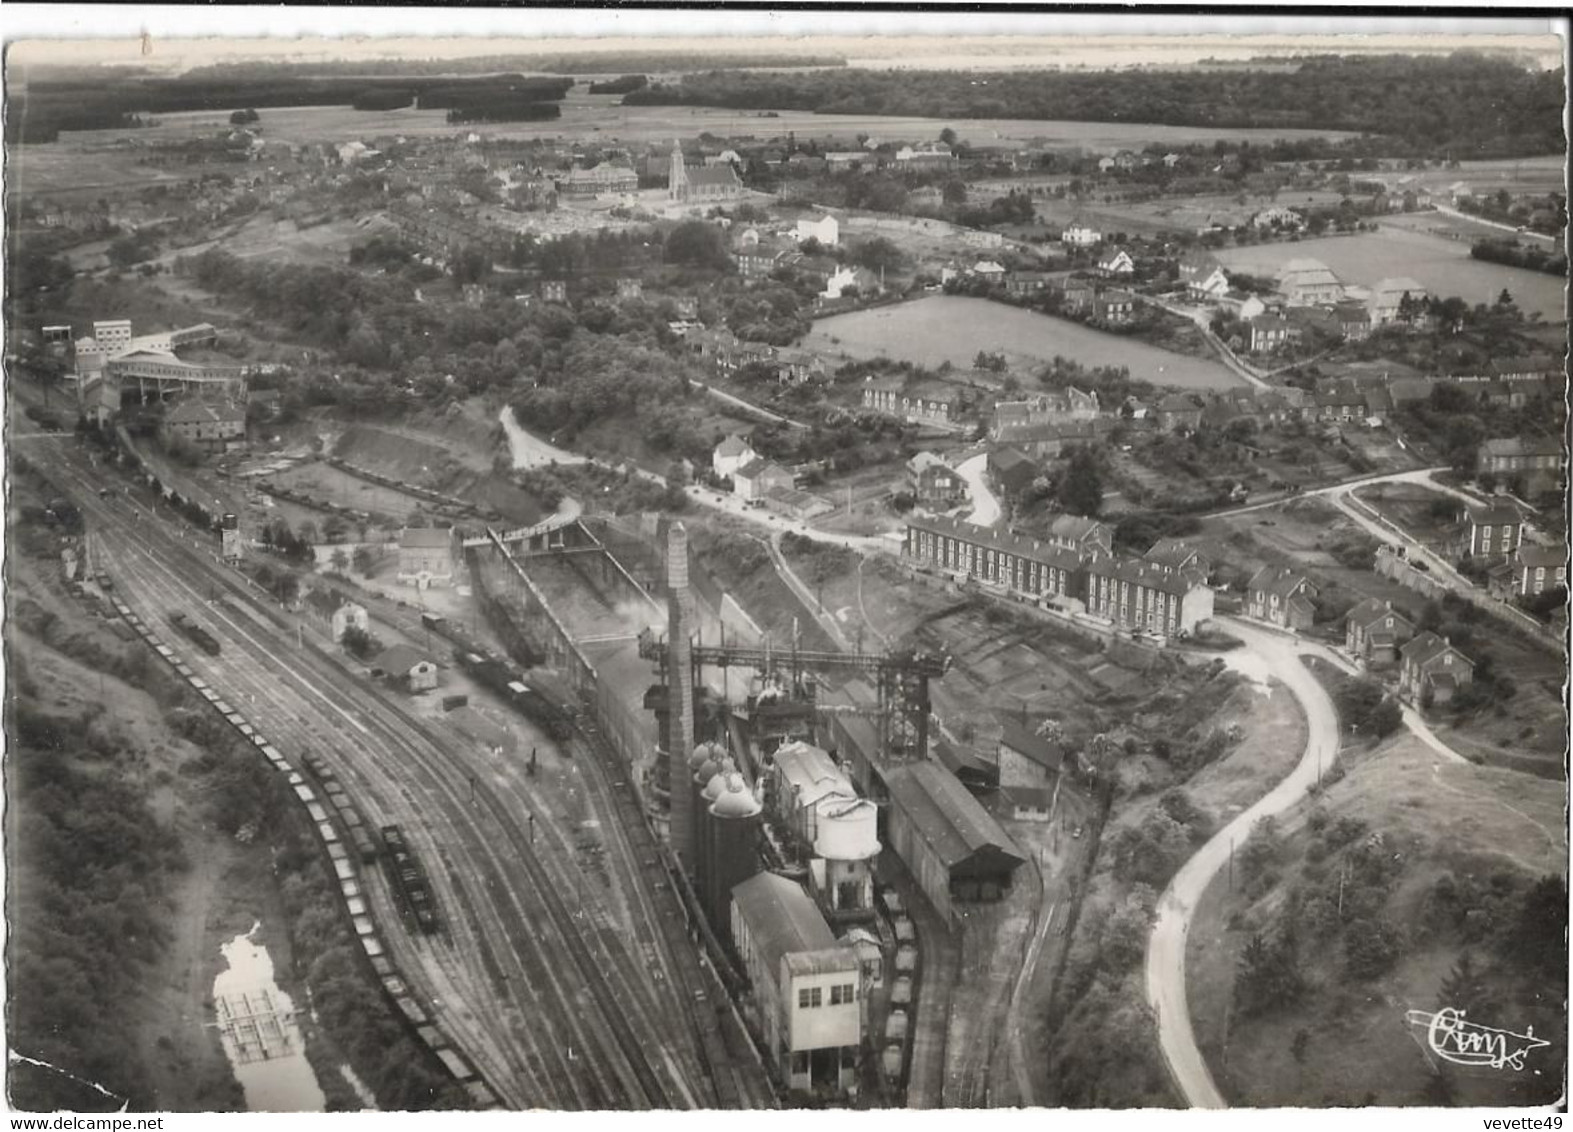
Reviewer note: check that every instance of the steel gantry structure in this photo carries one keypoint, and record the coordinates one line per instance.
(901, 679)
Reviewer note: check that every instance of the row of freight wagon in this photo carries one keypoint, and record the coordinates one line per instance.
(344, 866)
(553, 712)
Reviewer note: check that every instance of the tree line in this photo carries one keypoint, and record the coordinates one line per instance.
(1465, 102)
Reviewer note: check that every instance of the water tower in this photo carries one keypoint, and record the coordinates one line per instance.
(847, 841)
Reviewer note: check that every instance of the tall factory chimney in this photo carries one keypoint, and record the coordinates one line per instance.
(680, 684)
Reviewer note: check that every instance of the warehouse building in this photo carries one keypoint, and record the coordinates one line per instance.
(806, 986)
(954, 848)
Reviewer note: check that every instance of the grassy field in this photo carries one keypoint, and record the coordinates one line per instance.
(1443, 266)
(954, 328)
(74, 171)
(585, 114)
(1437, 818)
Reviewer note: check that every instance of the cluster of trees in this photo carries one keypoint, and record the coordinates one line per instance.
(503, 109)
(1453, 422)
(1013, 208)
(1365, 707)
(770, 313)
(1150, 851)
(1465, 102)
(496, 88)
(1515, 254)
(42, 110)
(625, 85)
(93, 913)
(382, 98)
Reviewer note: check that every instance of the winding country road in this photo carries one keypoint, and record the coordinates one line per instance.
(1280, 656)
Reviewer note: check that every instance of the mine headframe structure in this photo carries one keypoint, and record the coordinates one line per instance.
(900, 678)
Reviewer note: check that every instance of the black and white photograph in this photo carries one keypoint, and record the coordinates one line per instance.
(613, 560)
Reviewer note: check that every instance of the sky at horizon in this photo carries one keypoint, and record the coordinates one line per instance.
(181, 38)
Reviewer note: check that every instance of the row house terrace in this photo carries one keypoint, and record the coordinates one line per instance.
(1137, 594)
(1019, 563)
(1075, 565)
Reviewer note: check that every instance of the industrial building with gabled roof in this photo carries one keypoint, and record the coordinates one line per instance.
(954, 847)
(807, 987)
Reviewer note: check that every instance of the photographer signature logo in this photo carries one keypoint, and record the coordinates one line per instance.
(1453, 1038)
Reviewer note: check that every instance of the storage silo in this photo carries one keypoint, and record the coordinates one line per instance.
(734, 855)
(713, 789)
(704, 764)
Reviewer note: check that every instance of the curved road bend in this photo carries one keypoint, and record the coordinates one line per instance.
(1166, 946)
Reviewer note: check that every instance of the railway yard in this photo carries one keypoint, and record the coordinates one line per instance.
(553, 961)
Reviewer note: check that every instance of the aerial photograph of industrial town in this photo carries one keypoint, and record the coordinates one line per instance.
(787, 571)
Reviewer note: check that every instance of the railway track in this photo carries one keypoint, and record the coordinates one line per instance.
(490, 940)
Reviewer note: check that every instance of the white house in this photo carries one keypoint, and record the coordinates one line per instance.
(731, 454)
(1116, 261)
(825, 229)
(1080, 234)
(988, 269)
(840, 279)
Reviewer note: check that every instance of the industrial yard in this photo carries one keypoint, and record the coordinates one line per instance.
(755, 579)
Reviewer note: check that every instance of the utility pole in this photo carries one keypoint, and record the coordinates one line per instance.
(1231, 867)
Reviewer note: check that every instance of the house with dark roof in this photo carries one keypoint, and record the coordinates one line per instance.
(1373, 632)
(1340, 401)
(1493, 530)
(1174, 555)
(408, 666)
(753, 480)
(1114, 307)
(732, 453)
(1204, 277)
(213, 426)
(1081, 534)
(1532, 570)
(805, 988)
(1178, 413)
(1527, 456)
(952, 846)
(333, 610)
(934, 483)
(1281, 596)
(1027, 758)
(1012, 469)
(1269, 332)
(1431, 670)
